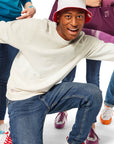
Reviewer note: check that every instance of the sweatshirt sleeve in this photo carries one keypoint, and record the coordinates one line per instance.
(99, 50)
(19, 33)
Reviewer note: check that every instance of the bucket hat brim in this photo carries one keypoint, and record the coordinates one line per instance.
(77, 4)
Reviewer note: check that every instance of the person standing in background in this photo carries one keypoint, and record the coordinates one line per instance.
(101, 24)
(107, 24)
(10, 10)
(107, 112)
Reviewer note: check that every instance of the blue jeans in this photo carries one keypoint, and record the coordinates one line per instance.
(70, 77)
(27, 116)
(92, 72)
(7, 54)
(109, 99)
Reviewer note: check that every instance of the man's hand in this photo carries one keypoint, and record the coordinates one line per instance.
(28, 12)
(93, 3)
(108, 2)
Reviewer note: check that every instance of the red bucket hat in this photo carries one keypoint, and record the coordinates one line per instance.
(65, 4)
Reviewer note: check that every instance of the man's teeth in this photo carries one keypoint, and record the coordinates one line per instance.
(73, 29)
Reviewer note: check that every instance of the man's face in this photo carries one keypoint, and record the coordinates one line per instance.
(70, 23)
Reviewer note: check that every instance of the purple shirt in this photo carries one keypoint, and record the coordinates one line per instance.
(103, 19)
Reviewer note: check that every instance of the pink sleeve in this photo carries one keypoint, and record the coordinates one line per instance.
(100, 35)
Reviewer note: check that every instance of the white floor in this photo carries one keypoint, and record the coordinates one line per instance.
(106, 133)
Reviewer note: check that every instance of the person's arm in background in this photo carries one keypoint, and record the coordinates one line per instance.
(29, 10)
(100, 35)
(108, 3)
(54, 8)
(93, 3)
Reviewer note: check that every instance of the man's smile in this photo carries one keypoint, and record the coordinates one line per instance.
(73, 31)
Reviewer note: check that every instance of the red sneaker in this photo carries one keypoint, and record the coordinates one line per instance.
(92, 137)
(60, 120)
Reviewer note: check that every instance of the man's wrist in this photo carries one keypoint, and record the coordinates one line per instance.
(31, 6)
(28, 5)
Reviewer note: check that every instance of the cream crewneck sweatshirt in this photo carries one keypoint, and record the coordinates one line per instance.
(45, 58)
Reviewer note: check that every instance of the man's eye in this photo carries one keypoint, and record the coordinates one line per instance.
(80, 17)
(68, 16)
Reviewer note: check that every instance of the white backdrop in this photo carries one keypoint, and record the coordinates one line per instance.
(43, 8)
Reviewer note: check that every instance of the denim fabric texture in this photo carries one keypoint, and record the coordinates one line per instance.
(92, 71)
(27, 116)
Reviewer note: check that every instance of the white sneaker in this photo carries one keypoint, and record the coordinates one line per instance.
(106, 115)
(2, 138)
(4, 127)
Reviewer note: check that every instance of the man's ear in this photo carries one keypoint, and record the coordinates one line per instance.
(58, 19)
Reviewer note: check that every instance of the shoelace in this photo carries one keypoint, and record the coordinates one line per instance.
(92, 137)
(107, 113)
(61, 117)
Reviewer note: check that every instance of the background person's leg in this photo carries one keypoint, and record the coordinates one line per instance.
(7, 54)
(109, 99)
(92, 76)
(107, 112)
(93, 71)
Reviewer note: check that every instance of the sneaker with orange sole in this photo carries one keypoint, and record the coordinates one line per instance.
(106, 115)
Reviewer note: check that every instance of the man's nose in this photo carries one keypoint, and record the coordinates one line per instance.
(74, 21)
